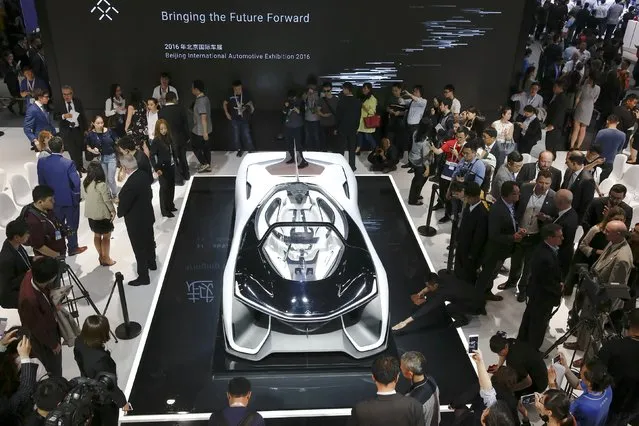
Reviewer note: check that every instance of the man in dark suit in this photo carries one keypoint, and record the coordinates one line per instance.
(490, 146)
(388, 407)
(536, 207)
(14, 263)
(568, 219)
(503, 233)
(580, 182)
(556, 118)
(38, 63)
(177, 118)
(545, 287)
(599, 207)
(471, 234)
(73, 127)
(60, 174)
(37, 117)
(37, 313)
(528, 172)
(528, 131)
(349, 110)
(136, 208)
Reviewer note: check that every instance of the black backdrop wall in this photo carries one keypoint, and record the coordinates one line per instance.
(471, 43)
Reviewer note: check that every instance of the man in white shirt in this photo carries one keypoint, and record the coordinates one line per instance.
(151, 116)
(532, 98)
(160, 91)
(612, 18)
(449, 93)
(416, 108)
(601, 15)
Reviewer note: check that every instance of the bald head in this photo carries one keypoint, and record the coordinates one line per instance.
(545, 160)
(563, 199)
(616, 231)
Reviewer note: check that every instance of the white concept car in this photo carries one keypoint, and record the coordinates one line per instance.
(302, 274)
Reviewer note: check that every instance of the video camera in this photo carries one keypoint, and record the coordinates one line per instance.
(81, 403)
(601, 296)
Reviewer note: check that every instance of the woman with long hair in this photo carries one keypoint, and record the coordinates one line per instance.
(94, 359)
(136, 123)
(115, 110)
(162, 159)
(99, 210)
(365, 135)
(553, 407)
(100, 141)
(585, 105)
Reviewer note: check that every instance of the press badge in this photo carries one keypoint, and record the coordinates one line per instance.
(58, 235)
(31, 100)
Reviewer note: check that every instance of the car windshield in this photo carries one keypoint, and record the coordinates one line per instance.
(306, 242)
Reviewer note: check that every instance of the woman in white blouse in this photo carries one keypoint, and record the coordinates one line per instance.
(505, 129)
(115, 110)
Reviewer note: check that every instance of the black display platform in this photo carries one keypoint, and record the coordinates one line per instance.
(183, 358)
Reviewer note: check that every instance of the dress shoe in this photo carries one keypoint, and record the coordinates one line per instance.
(572, 346)
(521, 297)
(504, 270)
(459, 321)
(416, 203)
(433, 179)
(506, 285)
(411, 170)
(444, 219)
(153, 266)
(169, 215)
(174, 209)
(438, 206)
(420, 198)
(303, 164)
(493, 297)
(78, 251)
(406, 166)
(290, 160)
(139, 281)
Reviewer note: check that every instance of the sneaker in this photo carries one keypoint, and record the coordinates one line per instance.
(205, 168)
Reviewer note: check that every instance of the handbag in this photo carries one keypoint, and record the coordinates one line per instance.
(373, 122)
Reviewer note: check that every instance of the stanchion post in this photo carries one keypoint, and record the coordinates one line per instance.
(127, 330)
(427, 230)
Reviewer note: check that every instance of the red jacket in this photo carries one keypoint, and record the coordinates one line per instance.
(37, 315)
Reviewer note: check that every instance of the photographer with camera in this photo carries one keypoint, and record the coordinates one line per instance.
(612, 267)
(48, 395)
(385, 157)
(14, 404)
(46, 233)
(93, 360)
(38, 313)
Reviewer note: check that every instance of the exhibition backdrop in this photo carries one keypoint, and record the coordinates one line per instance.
(274, 45)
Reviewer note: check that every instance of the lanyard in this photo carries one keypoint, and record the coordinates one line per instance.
(30, 86)
(24, 258)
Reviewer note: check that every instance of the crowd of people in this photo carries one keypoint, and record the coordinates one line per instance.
(578, 95)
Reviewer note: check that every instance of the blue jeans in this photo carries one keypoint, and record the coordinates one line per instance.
(242, 136)
(109, 164)
(312, 133)
(366, 141)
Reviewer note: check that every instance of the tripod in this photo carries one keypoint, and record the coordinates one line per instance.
(66, 277)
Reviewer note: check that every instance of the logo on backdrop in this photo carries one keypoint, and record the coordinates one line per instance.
(103, 9)
(200, 291)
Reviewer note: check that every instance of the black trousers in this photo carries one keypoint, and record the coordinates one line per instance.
(51, 361)
(465, 268)
(606, 169)
(74, 143)
(490, 267)
(167, 189)
(328, 140)
(555, 141)
(349, 140)
(535, 322)
(294, 140)
(520, 261)
(143, 244)
(417, 184)
(201, 148)
(181, 165)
